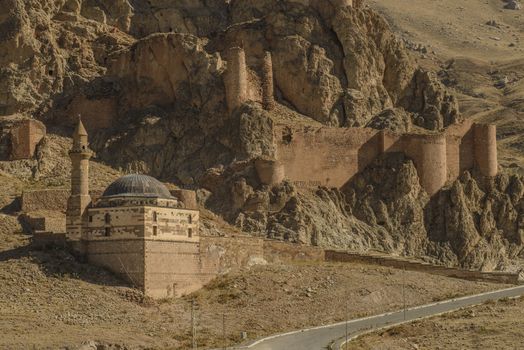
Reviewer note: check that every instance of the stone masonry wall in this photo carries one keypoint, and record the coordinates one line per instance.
(325, 156)
(460, 149)
(428, 153)
(123, 257)
(173, 268)
(322, 156)
(486, 149)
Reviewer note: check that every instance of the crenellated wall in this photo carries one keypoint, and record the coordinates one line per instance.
(322, 156)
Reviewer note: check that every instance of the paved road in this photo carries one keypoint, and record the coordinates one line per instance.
(319, 338)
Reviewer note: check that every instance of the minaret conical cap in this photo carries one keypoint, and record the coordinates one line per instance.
(80, 129)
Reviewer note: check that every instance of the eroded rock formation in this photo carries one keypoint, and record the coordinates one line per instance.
(149, 80)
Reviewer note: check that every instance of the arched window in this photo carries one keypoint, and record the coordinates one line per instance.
(107, 218)
(155, 216)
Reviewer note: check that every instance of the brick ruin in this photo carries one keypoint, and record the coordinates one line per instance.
(312, 156)
(19, 137)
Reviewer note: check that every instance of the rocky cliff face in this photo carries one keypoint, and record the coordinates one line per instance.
(148, 79)
(474, 223)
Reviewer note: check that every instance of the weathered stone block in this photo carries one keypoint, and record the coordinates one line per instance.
(19, 137)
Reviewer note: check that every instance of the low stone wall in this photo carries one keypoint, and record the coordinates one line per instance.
(51, 222)
(283, 252)
(497, 277)
(51, 199)
(223, 254)
(42, 240)
(54, 199)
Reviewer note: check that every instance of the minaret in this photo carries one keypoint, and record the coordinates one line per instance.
(80, 198)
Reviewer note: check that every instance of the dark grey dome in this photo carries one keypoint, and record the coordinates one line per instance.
(136, 185)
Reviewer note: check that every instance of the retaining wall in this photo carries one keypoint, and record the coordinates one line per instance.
(498, 277)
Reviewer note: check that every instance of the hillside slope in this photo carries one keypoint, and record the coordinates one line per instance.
(148, 79)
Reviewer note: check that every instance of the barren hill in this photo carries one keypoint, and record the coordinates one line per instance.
(477, 48)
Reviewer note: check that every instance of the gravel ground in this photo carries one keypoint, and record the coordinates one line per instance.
(48, 300)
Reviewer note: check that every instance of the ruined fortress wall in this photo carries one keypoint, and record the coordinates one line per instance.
(321, 156)
(390, 142)
(123, 257)
(223, 254)
(486, 149)
(325, 156)
(283, 252)
(429, 156)
(342, 3)
(25, 136)
(49, 199)
(460, 149)
(236, 78)
(43, 221)
(270, 172)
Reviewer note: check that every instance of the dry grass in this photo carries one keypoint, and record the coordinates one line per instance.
(494, 325)
(48, 300)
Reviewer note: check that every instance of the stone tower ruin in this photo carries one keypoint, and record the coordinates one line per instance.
(268, 93)
(79, 199)
(236, 80)
(486, 149)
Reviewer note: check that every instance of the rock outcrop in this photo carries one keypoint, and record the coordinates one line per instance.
(48, 47)
(474, 223)
(148, 78)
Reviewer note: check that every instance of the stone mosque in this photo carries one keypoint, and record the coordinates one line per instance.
(137, 228)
